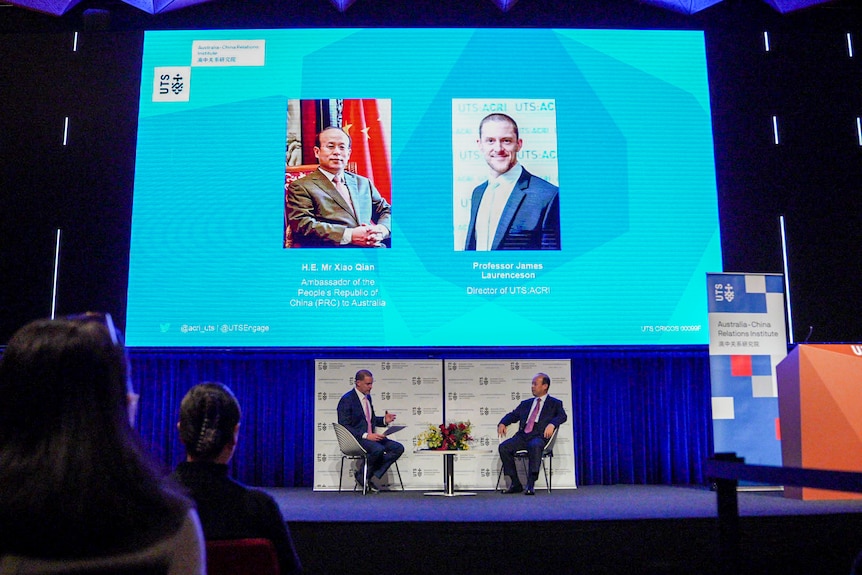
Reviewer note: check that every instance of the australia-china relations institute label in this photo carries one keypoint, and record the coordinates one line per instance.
(347, 290)
(507, 278)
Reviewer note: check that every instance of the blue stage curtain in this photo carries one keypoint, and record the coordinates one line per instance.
(641, 416)
(275, 391)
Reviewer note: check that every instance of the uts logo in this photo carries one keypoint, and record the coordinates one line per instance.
(514, 366)
(321, 396)
(171, 83)
(385, 365)
(416, 381)
(322, 365)
(724, 292)
(451, 366)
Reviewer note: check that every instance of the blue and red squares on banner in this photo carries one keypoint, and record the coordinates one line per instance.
(736, 293)
(749, 365)
(740, 376)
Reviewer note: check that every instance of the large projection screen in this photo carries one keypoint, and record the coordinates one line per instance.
(618, 120)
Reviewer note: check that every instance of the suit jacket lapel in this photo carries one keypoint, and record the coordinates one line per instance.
(361, 203)
(517, 196)
(327, 186)
(474, 210)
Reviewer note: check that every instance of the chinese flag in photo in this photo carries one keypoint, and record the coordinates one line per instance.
(367, 123)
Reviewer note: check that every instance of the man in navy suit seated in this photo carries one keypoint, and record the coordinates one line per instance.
(538, 417)
(356, 413)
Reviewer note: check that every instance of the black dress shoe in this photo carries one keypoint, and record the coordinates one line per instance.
(514, 488)
(529, 491)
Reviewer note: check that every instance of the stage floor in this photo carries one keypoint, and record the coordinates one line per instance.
(632, 529)
(594, 502)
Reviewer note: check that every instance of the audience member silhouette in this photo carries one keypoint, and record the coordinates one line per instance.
(79, 492)
(209, 428)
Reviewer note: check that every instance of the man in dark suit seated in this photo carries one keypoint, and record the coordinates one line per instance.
(513, 210)
(539, 417)
(331, 207)
(356, 413)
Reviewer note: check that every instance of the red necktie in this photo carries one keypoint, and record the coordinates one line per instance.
(368, 414)
(533, 416)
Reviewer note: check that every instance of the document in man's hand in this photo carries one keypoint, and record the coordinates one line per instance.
(393, 428)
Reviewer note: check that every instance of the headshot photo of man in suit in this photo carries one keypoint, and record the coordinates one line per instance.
(356, 413)
(331, 207)
(538, 417)
(513, 209)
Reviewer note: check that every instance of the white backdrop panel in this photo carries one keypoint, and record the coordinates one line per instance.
(410, 389)
(483, 391)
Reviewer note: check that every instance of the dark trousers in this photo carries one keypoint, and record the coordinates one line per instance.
(533, 443)
(381, 454)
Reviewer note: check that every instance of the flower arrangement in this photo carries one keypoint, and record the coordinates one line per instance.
(453, 436)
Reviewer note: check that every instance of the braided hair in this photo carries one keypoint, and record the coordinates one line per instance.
(209, 414)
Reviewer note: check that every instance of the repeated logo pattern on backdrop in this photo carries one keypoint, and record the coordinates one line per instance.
(430, 392)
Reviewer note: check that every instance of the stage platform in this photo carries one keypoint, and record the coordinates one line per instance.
(592, 529)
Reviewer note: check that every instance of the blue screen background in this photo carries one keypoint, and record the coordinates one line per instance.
(637, 193)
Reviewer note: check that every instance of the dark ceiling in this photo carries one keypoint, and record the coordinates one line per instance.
(116, 15)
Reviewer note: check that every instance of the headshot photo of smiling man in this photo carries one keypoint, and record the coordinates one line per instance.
(512, 209)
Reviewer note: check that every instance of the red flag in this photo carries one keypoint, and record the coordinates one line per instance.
(369, 135)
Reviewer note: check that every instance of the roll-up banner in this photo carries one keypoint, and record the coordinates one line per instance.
(747, 339)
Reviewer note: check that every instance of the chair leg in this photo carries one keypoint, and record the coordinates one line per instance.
(499, 477)
(399, 476)
(365, 476)
(341, 474)
(547, 477)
